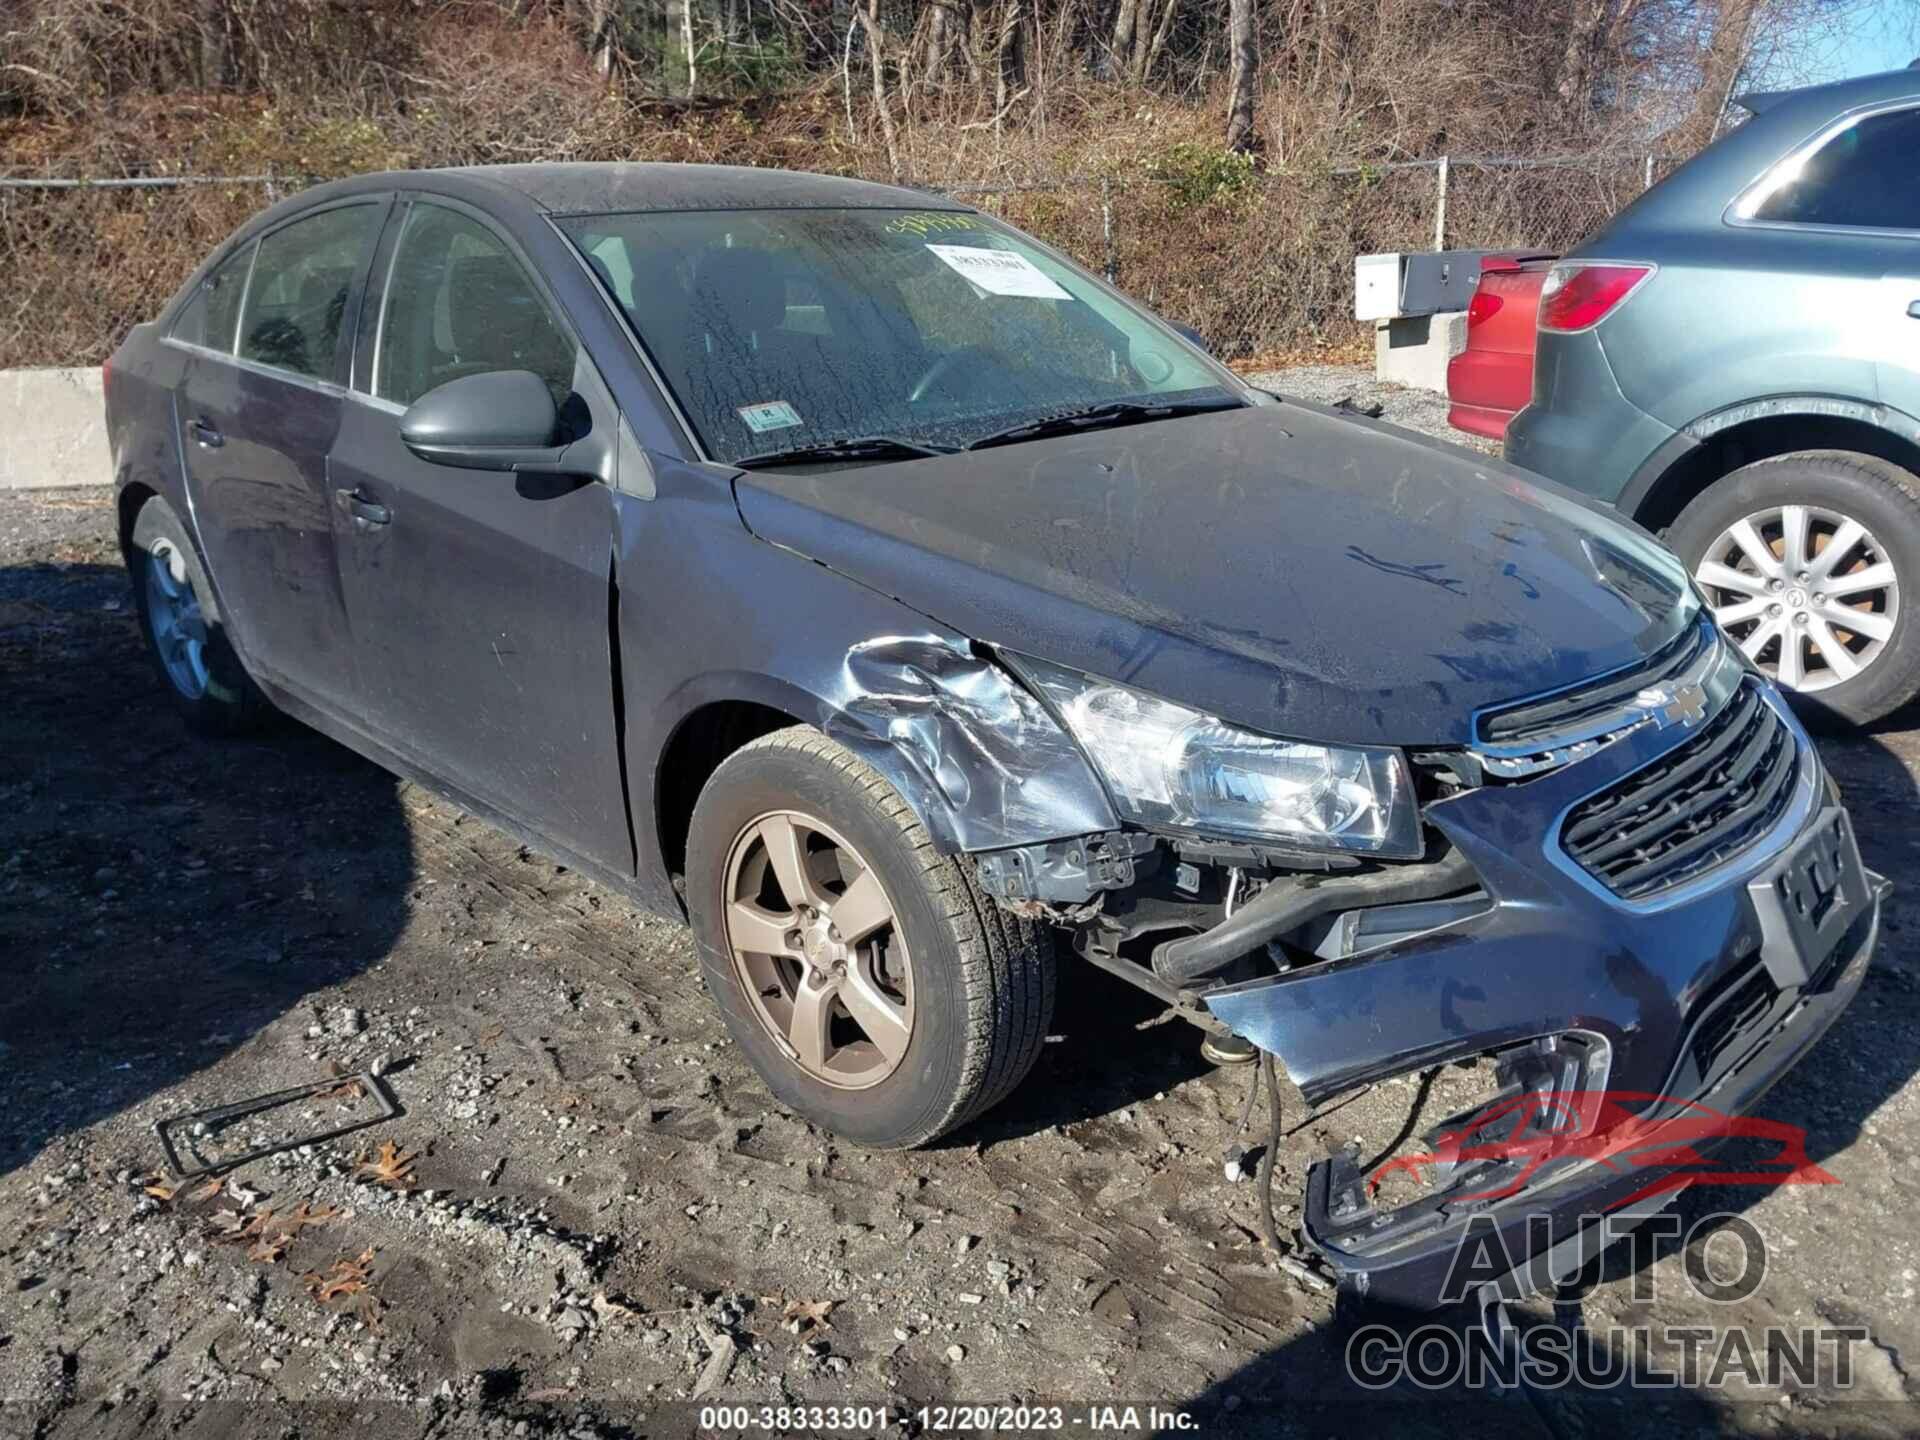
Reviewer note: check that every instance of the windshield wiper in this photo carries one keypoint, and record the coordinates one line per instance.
(1100, 417)
(860, 447)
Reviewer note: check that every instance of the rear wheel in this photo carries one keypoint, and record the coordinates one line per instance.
(1810, 562)
(181, 622)
(877, 991)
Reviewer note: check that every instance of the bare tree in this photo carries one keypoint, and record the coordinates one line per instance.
(877, 59)
(1245, 64)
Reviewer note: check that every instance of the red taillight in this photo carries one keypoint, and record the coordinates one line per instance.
(1482, 308)
(1578, 297)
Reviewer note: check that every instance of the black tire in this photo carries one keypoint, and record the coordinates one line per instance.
(983, 980)
(229, 703)
(1878, 494)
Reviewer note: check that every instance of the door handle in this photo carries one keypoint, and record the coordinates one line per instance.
(206, 435)
(365, 512)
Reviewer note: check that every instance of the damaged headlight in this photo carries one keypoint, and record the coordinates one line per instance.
(1170, 766)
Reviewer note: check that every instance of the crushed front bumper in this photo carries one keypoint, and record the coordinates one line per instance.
(1705, 993)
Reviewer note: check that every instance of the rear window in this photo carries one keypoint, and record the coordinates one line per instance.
(210, 317)
(297, 299)
(1867, 176)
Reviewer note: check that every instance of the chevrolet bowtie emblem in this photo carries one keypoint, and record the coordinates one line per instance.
(1673, 704)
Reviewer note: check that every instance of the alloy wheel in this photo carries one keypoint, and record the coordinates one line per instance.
(1809, 594)
(818, 950)
(173, 615)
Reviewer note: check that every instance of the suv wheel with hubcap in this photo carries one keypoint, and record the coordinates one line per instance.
(1802, 559)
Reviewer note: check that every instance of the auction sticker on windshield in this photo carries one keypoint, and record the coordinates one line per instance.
(770, 415)
(1000, 272)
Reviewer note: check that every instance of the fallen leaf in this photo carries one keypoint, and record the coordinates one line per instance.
(208, 1190)
(161, 1192)
(226, 1225)
(350, 1276)
(303, 1215)
(608, 1308)
(274, 1236)
(803, 1315)
(391, 1167)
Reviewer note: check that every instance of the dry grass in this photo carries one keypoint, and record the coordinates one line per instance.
(1255, 251)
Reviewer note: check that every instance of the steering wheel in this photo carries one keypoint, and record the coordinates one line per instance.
(938, 370)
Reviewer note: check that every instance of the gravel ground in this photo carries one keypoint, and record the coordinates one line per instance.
(594, 1215)
(1421, 410)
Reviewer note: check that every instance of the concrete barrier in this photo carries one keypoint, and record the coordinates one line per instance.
(53, 429)
(1414, 350)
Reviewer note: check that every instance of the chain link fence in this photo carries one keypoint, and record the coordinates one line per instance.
(1260, 264)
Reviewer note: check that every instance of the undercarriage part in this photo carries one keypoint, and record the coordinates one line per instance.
(1092, 946)
(1291, 902)
(1228, 1050)
(1542, 1089)
(1354, 932)
(1067, 872)
(1269, 1230)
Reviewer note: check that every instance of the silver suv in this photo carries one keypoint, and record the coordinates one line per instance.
(1734, 360)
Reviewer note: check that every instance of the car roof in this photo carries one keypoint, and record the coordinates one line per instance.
(1837, 96)
(1695, 197)
(599, 188)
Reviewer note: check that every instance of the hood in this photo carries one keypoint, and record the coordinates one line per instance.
(1286, 568)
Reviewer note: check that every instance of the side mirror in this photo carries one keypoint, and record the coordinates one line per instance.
(1198, 340)
(501, 420)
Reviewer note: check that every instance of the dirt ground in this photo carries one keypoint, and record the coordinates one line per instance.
(607, 1217)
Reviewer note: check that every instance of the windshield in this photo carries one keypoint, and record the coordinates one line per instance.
(789, 329)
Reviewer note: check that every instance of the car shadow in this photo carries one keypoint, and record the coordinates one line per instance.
(163, 897)
(1109, 1047)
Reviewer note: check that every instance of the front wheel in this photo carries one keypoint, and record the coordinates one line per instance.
(876, 989)
(1810, 562)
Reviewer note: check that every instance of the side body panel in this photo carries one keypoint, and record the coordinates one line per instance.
(262, 504)
(708, 613)
(1746, 313)
(479, 615)
(143, 375)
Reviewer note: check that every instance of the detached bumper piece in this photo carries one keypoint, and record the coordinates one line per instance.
(1641, 988)
(1557, 1205)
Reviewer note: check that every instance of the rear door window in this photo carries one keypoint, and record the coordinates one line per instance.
(458, 303)
(297, 300)
(1867, 176)
(210, 317)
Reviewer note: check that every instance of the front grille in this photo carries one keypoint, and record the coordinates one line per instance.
(1698, 805)
(1729, 1011)
(1568, 712)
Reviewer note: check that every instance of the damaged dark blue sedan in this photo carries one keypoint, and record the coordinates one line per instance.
(851, 574)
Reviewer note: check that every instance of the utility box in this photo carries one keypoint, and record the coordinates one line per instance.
(1417, 303)
(1435, 282)
(1376, 286)
(1423, 282)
